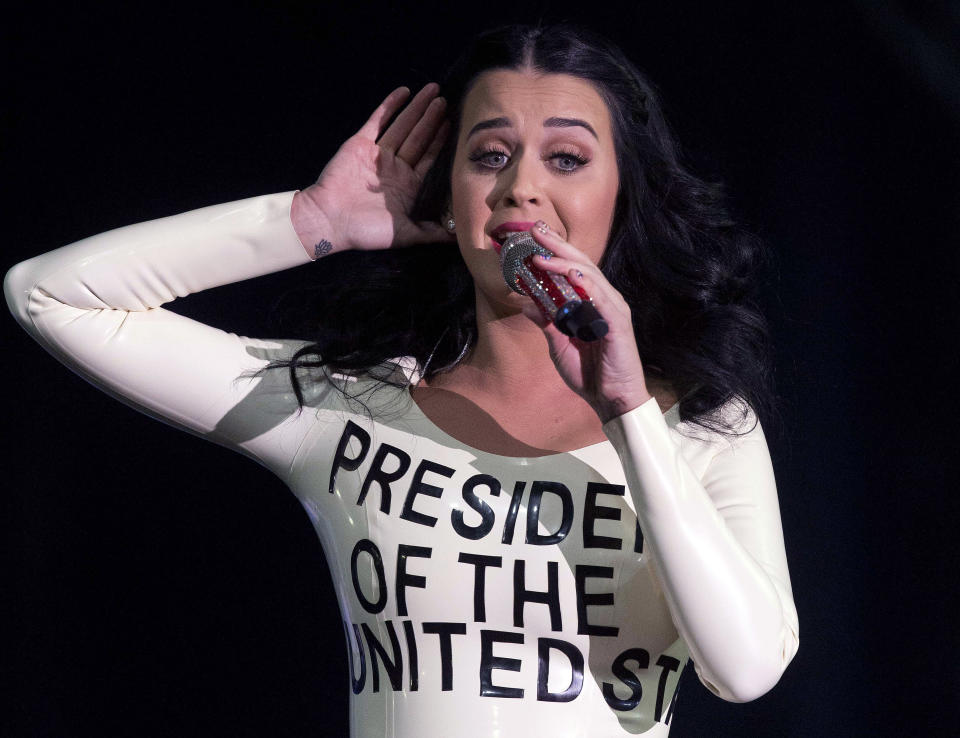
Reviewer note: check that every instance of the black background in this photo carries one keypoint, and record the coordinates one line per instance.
(166, 586)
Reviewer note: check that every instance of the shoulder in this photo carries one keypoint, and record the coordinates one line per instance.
(379, 391)
(730, 425)
(733, 455)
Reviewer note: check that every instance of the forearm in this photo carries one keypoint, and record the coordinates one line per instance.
(313, 227)
(95, 306)
(719, 554)
(143, 266)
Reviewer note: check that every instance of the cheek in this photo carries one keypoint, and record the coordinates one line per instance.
(592, 224)
(469, 193)
(605, 206)
(465, 186)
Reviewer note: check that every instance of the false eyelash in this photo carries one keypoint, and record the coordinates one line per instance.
(581, 161)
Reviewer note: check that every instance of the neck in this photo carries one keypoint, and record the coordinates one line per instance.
(511, 362)
(511, 357)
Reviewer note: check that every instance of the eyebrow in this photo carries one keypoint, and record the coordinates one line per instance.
(548, 123)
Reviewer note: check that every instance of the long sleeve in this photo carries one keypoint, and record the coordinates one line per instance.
(95, 306)
(717, 542)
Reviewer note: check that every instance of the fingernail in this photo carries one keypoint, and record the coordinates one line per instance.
(546, 256)
(580, 274)
(541, 226)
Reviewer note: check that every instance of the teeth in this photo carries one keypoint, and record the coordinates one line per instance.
(502, 237)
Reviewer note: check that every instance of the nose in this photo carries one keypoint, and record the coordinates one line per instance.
(521, 182)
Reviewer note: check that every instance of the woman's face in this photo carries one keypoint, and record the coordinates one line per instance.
(531, 147)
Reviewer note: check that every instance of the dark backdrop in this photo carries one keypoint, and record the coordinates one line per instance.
(162, 585)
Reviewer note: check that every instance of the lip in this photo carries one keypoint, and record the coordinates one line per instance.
(508, 227)
(513, 225)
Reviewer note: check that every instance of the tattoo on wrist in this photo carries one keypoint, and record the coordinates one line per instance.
(322, 249)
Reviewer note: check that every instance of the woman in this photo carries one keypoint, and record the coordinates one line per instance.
(529, 534)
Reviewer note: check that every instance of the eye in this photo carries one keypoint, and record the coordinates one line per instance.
(486, 155)
(568, 161)
(574, 160)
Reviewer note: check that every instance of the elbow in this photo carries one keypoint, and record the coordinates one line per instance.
(17, 284)
(754, 677)
(747, 690)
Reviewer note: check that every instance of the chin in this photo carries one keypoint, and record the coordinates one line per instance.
(502, 301)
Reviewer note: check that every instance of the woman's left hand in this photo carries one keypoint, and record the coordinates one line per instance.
(607, 373)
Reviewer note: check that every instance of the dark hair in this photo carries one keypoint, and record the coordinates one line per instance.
(687, 271)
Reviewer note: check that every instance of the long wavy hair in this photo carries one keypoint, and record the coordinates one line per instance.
(688, 272)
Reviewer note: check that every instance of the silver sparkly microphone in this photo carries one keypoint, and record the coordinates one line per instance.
(566, 306)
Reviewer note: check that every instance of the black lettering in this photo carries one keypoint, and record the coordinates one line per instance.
(356, 684)
(666, 664)
(582, 573)
(638, 539)
(340, 458)
(419, 487)
(384, 478)
(393, 665)
(489, 662)
(522, 595)
(475, 503)
(621, 671)
(404, 579)
(543, 670)
(593, 512)
(480, 564)
(444, 631)
(412, 662)
(368, 546)
(533, 513)
(511, 520)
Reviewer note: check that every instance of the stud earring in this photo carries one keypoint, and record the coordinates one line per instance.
(451, 224)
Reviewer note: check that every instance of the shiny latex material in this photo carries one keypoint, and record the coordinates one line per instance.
(481, 595)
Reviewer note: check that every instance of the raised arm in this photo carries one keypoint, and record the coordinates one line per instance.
(717, 542)
(95, 305)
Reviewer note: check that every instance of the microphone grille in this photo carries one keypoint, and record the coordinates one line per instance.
(517, 247)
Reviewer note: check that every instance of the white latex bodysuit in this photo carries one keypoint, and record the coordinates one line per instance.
(481, 595)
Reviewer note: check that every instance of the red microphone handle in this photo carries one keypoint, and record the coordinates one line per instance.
(565, 305)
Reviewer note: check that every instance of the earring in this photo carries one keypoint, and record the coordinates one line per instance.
(451, 224)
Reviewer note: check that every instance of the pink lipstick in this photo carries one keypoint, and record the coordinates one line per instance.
(504, 229)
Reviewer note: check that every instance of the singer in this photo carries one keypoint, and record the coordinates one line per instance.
(531, 531)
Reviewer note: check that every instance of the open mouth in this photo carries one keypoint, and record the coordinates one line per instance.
(501, 238)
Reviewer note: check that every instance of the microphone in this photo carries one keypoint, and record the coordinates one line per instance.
(567, 306)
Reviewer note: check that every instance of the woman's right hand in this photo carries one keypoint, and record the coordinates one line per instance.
(364, 194)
